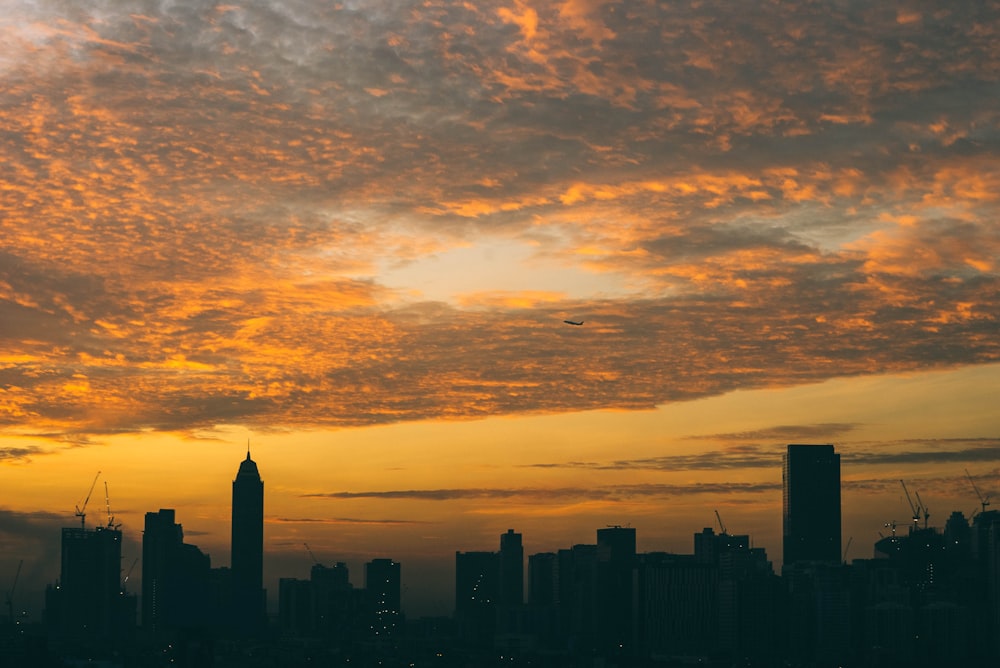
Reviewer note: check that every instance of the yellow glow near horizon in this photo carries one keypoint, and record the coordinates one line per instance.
(556, 478)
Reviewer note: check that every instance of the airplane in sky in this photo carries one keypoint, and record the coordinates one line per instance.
(573, 322)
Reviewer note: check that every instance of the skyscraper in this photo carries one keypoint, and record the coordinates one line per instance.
(248, 547)
(615, 562)
(175, 577)
(811, 518)
(161, 539)
(382, 584)
(511, 569)
(88, 602)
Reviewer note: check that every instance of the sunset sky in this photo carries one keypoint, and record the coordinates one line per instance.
(348, 234)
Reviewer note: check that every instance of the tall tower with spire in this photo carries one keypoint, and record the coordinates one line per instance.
(248, 547)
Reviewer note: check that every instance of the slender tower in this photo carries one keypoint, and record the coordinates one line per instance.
(248, 547)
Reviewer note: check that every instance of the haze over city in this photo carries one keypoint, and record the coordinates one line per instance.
(349, 235)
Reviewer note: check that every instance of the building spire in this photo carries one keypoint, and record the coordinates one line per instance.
(248, 449)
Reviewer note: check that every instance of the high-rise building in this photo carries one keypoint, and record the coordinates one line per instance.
(615, 562)
(89, 604)
(811, 518)
(382, 584)
(161, 539)
(248, 547)
(511, 569)
(176, 577)
(382, 581)
(476, 592)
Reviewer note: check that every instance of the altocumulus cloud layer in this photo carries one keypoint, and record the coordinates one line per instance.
(199, 202)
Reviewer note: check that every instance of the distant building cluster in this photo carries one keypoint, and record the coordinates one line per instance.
(927, 597)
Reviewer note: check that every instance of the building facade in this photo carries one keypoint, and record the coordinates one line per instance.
(811, 504)
(249, 602)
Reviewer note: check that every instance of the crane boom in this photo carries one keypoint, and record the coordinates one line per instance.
(10, 592)
(983, 500)
(129, 573)
(913, 508)
(923, 508)
(81, 511)
(722, 527)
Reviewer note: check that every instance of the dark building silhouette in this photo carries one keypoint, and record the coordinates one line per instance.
(577, 586)
(88, 606)
(86, 599)
(985, 549)
(477, 587)
(296, 615)
(511, 569)
(383, 587)
(748, 595)
(543, 598)
(161, 540)
(176, 578)
(328, 608)
(811, 504)
(676, 605)
(249, 601)
(489, 596)
(615, 595)
(818, 630)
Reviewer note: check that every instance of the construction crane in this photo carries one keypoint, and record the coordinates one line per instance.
(923, 508)
(722, 527)
(107, 501)
(81, 511)
(914, 509)
(312, 555)
(983, 500)
(129, 573)
(10, 592)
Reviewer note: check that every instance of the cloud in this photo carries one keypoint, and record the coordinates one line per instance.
(344, 520)
(946, 451)
(20, 454)
(200, 202)
(853, 454)
(605, 493)
(33, 526)
(787, 433)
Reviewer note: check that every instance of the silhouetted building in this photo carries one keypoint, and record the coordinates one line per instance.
(818, 627)
(748, 595)
(811, 504)
(161, 539)
(337, 609)
(176, 578)
(676, 605)
(615, 560)
(249, 601)
(88, 607)
(477, 588)
(986, 556)
(295, 608)
(382, 584)
(511, 569)
(543, 598)
(578, 599)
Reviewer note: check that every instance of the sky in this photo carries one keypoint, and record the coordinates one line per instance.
(348, 234)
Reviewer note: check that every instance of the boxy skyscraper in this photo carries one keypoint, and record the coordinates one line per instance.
(811, 518)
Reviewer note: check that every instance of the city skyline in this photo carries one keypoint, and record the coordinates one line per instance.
(362, 236)
(434, 595)
(926, 596)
